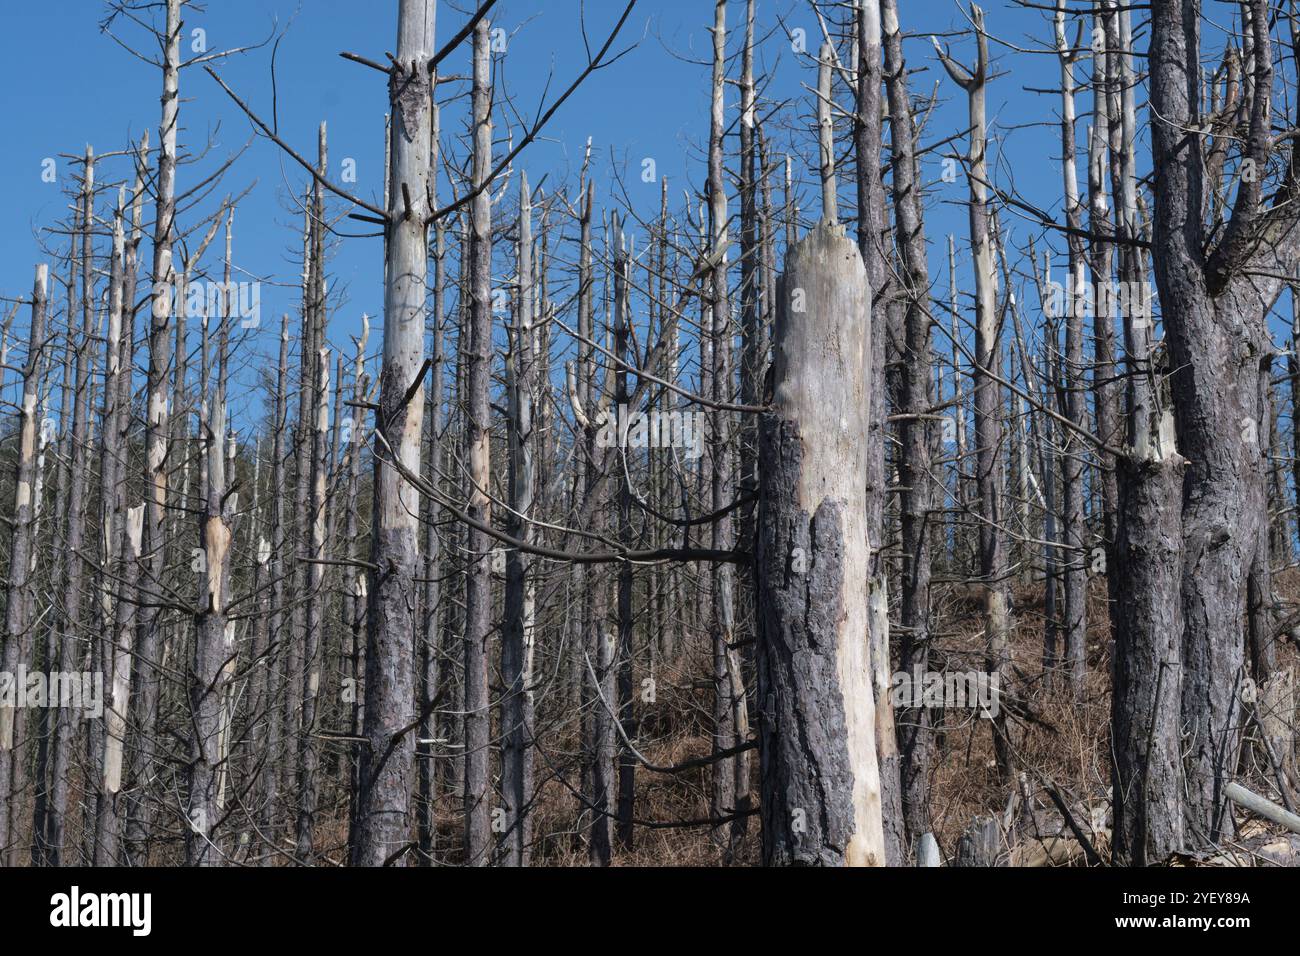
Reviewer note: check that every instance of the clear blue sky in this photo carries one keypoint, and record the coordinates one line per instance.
(63, 83)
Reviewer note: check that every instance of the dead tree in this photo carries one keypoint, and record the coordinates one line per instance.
(987, 390)
(214, 643)
(476, 345)
(517, 639)
(1214, 302)
(21, 596)
(1071, 456)
(313, 464)
(820, 777)
(875, 243)
(157, 432)
(916, 496)
(382, 825)
(730, 713)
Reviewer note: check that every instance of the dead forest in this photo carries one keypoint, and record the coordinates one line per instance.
(755, 524)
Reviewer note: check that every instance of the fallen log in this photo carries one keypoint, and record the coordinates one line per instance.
(1261, 807)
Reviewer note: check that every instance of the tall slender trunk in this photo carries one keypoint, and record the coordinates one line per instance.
(383, 824)
(477, 345)
(914, 736)
(518, 625)
(21, 596)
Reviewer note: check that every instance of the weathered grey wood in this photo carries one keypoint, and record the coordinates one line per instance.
(477, 346)
(214, 643)
(987, 390)
(20, 597)
(269, 789)
(1261, 807)
(913, 731)
(116, 622)
(875, 243)
(517, 639)
(313, 467)
(820, 777)
(382, 828)
(1147, 774)
(157, 428)
(1073, 531)
(731, 719)
(980, 844)
(1214, 310)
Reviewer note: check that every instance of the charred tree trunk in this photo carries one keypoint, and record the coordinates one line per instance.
(820, 776)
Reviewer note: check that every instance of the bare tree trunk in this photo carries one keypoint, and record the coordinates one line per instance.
(730, 713)
(820, 777)
(1072, 525)
(914, 469)
(21, 596)
(383, 824)
(313, 467)
(1147, 773)
(214, 646)
(877, 26)
(148, 673)
(1214, 310)
(432, 644)
(119, 557)
(518, 626)
(477, 347)
(988, 424)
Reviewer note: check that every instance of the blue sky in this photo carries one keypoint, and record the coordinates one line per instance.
(63, 83)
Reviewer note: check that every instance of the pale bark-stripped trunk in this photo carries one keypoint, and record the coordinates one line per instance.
(730, 710)
(478, 382)
(754, 330)
(874, 242)
(21, 597)
(148, 660)
(1071, 456)
(914, 736)
(1105, 394)
(820, 777)
(383, 824)
(432, 640)
(70, 655)
(518, 626)
(958, 417)
(988, 423)
(313, 467)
